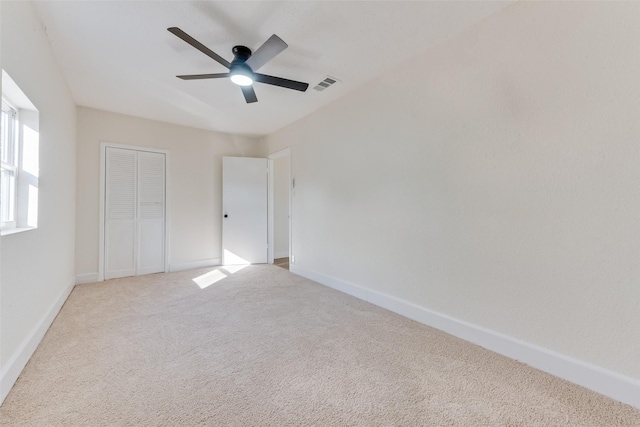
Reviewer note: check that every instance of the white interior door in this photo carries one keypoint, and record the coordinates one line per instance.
(244, 210)
(151, 212)
(134, 229)
(120, 213)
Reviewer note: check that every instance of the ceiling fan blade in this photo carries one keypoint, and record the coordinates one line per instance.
(203, 76)
(249, 94)
(273, 46)
(195, 43)
(279, 81)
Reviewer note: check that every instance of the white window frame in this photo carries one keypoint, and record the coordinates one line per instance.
(23, 161)
(13, 157)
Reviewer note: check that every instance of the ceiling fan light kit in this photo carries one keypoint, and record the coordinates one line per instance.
(242, 68)
(241, 76)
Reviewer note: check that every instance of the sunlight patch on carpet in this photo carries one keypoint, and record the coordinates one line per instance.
(214, 276)
(208, 279)
(234, 268)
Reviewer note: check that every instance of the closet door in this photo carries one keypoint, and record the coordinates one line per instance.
(135, 206)
(120, 213)
(151, 212)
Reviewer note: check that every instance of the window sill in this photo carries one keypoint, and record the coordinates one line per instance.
(8, 231)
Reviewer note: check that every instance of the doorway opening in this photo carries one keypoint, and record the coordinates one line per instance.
(280, 208)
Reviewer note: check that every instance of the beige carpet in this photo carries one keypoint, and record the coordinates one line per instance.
(266, 347)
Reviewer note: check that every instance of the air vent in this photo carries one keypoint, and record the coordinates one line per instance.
(326, 83)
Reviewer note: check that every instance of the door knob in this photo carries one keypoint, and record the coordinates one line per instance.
(226, 216)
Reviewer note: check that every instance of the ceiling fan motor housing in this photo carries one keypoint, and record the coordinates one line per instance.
(238, 66)
(240, 54)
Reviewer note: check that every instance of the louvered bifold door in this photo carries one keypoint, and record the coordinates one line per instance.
(120, 213)
(151, 212)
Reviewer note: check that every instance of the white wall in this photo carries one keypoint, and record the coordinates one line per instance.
(37, 266)
(494, 179)
(281, 207)
(195, 183)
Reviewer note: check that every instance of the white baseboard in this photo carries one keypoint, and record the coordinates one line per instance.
(190, 265)
(18, 360)
(616, 386)
(81, 279)
(281, 255)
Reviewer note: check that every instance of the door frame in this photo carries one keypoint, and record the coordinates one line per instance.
(103, 173)
(271, 215)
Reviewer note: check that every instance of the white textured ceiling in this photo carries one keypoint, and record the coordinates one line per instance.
(118, 55)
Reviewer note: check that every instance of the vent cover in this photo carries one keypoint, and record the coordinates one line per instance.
(326, 83)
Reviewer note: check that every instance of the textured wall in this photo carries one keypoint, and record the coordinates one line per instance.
(493, 179)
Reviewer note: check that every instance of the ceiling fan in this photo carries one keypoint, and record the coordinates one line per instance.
(242, 68)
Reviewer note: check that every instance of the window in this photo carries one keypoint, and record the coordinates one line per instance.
(9, 151)
(19, 155)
